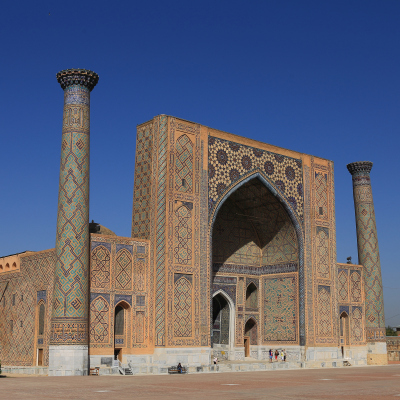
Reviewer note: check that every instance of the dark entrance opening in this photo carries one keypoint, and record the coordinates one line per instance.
(119, 327)
(221, 319)
(40, 357)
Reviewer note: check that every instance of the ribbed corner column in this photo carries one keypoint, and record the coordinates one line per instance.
(68, 350)
(368, 256)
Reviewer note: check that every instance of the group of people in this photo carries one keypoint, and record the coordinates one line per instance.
(280, 355)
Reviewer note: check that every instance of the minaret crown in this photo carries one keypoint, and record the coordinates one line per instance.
(77, 76)
(360, 166)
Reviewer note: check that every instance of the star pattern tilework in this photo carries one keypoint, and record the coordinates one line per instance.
(229, 161)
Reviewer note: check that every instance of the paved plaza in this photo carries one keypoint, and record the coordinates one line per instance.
(350, 383)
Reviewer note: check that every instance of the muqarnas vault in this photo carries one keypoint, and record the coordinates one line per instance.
(232, 253)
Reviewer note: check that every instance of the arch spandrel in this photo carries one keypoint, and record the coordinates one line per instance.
(230, 163)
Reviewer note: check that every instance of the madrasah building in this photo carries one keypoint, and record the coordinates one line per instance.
(232, 253)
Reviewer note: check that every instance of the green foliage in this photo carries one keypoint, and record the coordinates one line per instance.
(390, 331)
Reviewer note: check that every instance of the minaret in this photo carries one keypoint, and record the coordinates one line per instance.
(68, 350)
(368, 256)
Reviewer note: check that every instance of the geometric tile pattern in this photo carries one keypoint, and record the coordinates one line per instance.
(324, 312)
(343, 286)
(183, 306)
(160, 232)
(322, 282)
(368, 249)
(36, 276)
(129, 282)
(280, 309)
(123, 270)
(142, 186)
(355, 286)
(229, 161)
(139, 327)
(350, 298)
(357, 331)
(186, 238)
(308, 263)
(322, 253)
(321, 195)
(184, 164)
(183, 235)
(70, 303)
(99, 320)
(100, 268)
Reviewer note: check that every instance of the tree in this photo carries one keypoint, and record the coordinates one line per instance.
(390, 331)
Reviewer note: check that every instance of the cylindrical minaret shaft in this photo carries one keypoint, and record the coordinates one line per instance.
(368, 252)
(68, 352)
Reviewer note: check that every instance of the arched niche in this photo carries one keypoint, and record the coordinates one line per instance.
(121, 326)
(276, 243)
(251, 296)
(223, 320)
(250, 330)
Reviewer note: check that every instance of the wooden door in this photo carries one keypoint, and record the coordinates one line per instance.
(40, 357)
(247, 346)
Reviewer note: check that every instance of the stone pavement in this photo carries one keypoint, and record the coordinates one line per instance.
(333, 383)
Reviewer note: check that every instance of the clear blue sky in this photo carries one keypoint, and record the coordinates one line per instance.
(320, 77)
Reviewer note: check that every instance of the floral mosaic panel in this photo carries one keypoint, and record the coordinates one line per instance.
(280, 309)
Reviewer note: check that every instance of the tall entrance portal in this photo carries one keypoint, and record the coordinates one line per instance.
(255, 260)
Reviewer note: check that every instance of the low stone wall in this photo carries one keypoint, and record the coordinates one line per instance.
(393, 348)
(7, 369)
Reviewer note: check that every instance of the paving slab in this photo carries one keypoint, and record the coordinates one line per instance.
(342, 383)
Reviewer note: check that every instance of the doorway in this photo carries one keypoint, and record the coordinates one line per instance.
(118, 354)
(40, 358)
(344, 332)
(250, 330)
(221, 320)
(247, 346)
